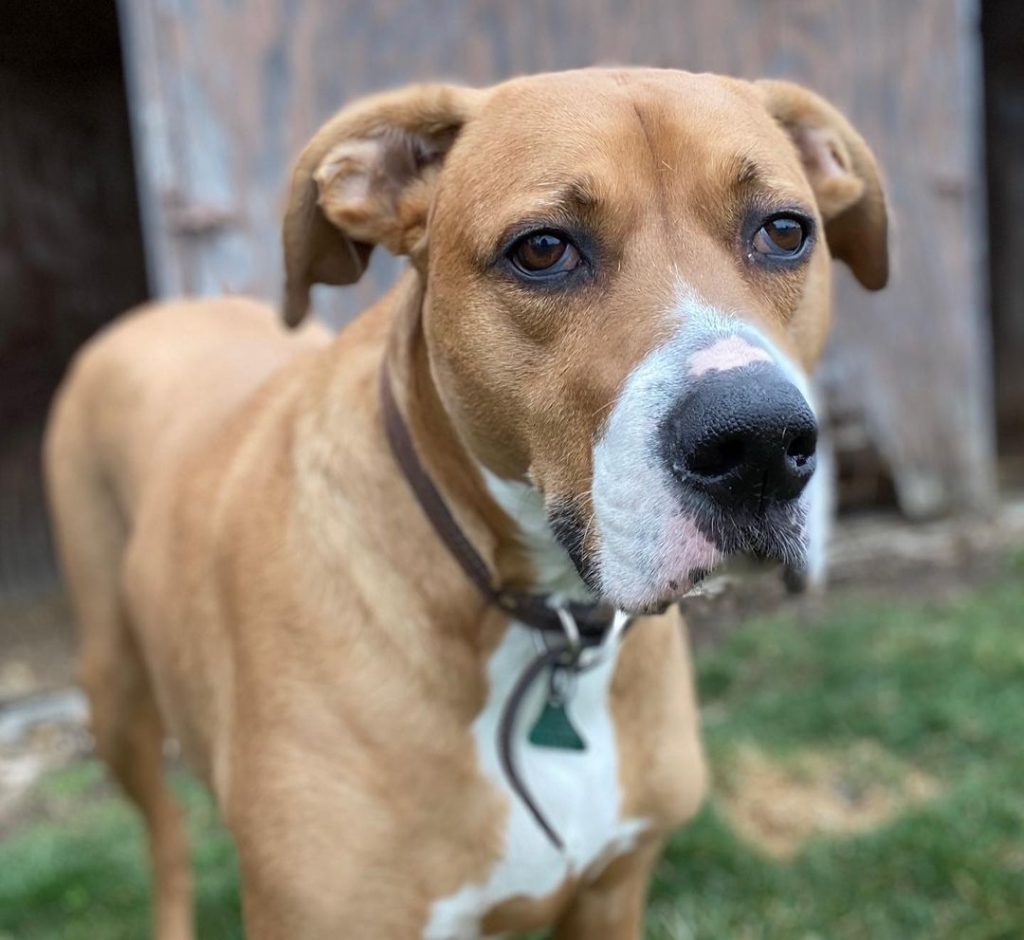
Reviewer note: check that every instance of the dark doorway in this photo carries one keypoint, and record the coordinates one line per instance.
(71, 253)
(1002, 27)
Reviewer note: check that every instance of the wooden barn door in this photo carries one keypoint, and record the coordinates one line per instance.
(1004, 74)
(227, 92)
(70, 242)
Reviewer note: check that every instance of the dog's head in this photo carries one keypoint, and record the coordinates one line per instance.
(626, 279)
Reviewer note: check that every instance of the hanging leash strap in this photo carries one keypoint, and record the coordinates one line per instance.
(590, 631)
(506, 729)
(576, 656)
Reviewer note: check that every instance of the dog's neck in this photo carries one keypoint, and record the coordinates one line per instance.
(504, 519)
(554, 572)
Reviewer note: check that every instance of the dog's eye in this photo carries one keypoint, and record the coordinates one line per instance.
(544, 253)
(781, 237)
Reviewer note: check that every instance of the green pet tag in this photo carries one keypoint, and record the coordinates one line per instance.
(553, 728)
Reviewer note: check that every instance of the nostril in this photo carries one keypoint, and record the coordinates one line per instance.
(801, 449)
(717, 457)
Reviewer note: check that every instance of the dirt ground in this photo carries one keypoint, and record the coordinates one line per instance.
(36, 644)
(43, 717)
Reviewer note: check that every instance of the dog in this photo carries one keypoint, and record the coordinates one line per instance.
(405, 597)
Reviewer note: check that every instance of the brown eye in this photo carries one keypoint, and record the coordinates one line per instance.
(781, 237)
(544, 253)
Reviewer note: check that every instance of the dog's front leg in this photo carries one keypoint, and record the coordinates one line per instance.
(612, 906)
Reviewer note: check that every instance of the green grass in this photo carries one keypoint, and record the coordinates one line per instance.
(939, 689)
(83, 873)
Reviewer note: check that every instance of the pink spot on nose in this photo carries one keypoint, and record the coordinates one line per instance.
(733, 352)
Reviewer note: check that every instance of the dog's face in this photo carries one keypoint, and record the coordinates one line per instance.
(627, 277)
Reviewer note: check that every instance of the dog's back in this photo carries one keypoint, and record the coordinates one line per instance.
(152, 385)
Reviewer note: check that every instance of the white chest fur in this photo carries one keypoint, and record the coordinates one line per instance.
(578, 792)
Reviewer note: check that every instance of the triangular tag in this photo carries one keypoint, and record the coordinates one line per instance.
(554, 729)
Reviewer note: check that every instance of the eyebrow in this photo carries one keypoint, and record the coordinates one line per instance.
(745, 172)
(569, 197)
(748, 177)
(555, 202)
(580, 192)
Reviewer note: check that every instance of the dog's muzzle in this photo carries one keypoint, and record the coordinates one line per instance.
(706, 456)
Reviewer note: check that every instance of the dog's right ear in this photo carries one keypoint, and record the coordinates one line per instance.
(367, 178)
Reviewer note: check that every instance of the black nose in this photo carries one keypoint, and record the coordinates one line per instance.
(744, 437)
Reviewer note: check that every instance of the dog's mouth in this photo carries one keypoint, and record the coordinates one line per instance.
(691, 547)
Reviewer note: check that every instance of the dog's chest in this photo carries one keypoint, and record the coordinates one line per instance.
(577, 790)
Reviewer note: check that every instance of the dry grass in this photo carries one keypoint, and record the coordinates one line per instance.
(779, 805)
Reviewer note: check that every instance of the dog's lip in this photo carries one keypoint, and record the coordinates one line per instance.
(693, 554)
(655, 609)
(676, 589)
(703, 581)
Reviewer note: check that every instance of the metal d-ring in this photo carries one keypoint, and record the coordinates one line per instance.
(579, 657)
(589, 658)
(571, 630)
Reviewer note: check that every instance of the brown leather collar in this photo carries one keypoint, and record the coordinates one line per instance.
(534, 610)
(593, 625)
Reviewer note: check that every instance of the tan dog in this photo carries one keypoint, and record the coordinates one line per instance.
(618, 279)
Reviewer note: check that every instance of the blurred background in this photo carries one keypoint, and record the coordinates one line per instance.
(863, 740)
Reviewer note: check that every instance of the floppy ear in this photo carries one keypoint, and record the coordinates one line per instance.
(843, 173)
(366, 178)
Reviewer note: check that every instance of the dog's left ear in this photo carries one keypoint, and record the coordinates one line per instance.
(366, 178)
(844, 175)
